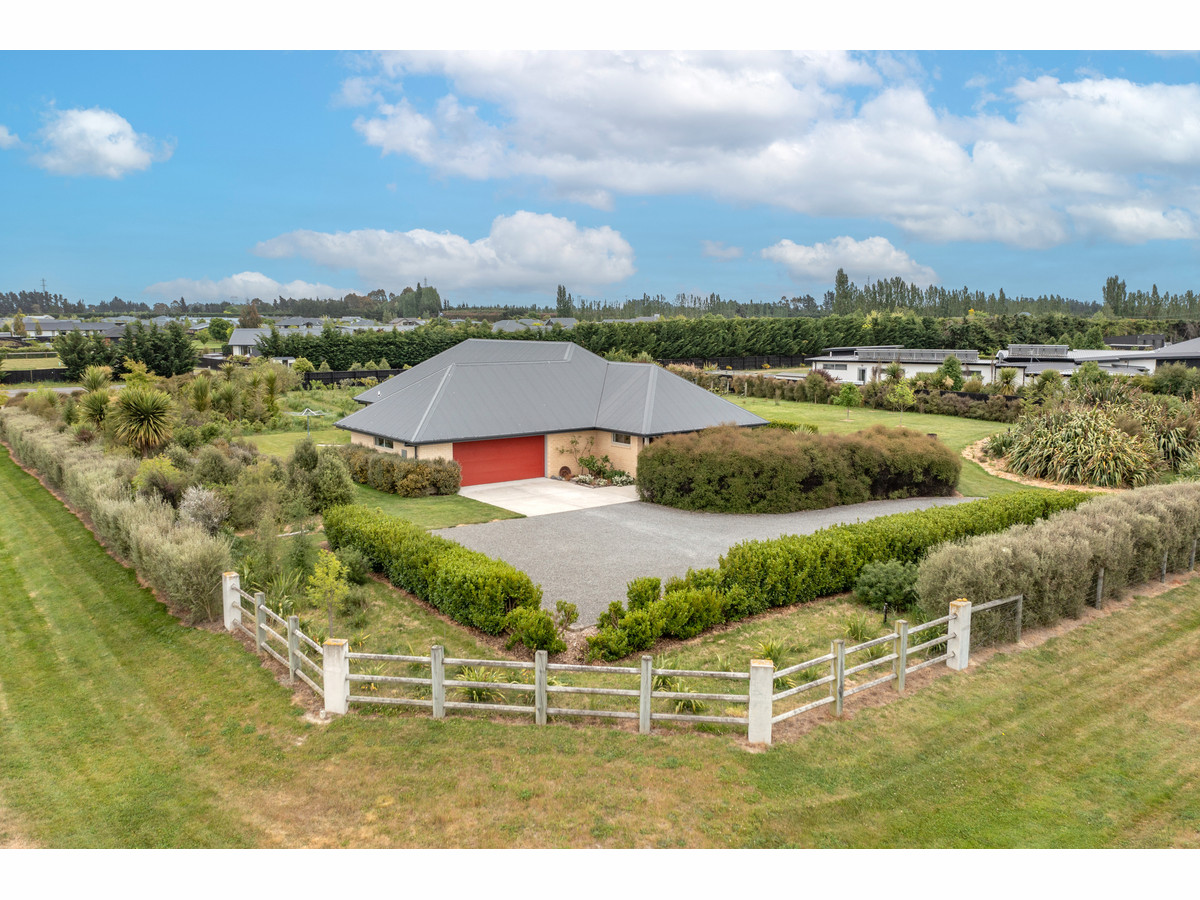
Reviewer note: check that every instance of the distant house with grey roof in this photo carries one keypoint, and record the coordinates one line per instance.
(508, 410)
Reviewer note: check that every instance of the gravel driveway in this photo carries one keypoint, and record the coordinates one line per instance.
(590, 555)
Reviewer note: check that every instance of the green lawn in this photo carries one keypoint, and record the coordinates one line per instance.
(281, 443)
(954, 431)
(433, 512)
(13, 363)
(119, 727)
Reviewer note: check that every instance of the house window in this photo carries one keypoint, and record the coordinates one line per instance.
(862, 374)
(383, 442)
(623, 439)
(834, 367)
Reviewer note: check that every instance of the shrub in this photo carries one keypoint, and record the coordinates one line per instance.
(144, 417)
(331, 483)
(355, 563)
(214, 467)
(688, 612)
(641, 592)
(534, 629)
(394, 474)
(203, 507)
(1081, 446)
(257, 492)
(1054, 562)
(642, 627)
(738, 470)
(467, 586)
(891, 582)
(159, 476)
(799, 568)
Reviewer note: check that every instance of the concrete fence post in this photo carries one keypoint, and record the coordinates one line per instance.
(230, 582)
(762, 701)
(958, 645)
(540, 704)
(336, 672)
(838, 686)
(437, 674)
(1100, 588)
(260, 621)
(1020, 615)
(647, 686)
(293, 647)
(900, 664)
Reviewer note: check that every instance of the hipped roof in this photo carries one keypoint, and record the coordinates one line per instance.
(482, 389)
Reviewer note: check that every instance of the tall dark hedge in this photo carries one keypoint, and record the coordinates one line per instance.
(771, 470)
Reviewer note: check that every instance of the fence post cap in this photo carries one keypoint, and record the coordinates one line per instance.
(960, 603)
(228, 574)
(761, 663)
(335, 642)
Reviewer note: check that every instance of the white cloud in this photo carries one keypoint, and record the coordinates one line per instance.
(1027, 167)
(96, 142)
(719, 250)
(523, 252)
(867, 260)
(243, 286)
(8, 140)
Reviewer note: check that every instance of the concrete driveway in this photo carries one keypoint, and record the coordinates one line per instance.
(543, 496)
(588, 556)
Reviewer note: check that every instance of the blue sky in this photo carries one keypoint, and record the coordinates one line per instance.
(497, 176)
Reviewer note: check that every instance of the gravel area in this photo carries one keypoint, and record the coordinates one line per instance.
(589, 556)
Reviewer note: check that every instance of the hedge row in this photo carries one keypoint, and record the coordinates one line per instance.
(394, 474)
(1054, 562)
(470, 587)
(179, 560)
(757, 575)
(768, 470)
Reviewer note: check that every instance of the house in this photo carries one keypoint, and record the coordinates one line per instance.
(508, 410)
(1030, 360)
(1186, 352)
(859, 365)
(244, 341)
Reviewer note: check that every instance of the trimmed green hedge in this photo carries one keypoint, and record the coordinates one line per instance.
(394, 474)
(757, 575)
(769, 470)
(470, 587)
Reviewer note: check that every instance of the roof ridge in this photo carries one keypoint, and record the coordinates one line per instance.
(649, 407)
(432, 401)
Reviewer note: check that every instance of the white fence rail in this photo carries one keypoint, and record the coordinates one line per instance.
(755, 700)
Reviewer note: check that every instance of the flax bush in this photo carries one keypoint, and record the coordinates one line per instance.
(1054, 562)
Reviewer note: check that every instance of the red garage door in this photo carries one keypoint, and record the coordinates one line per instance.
(509, 459)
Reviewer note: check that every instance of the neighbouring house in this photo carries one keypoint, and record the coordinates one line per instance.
(1030, 360)
(509, 410)
(859, 365)
(244, 341)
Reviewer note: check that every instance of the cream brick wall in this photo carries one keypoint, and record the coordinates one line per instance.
(559, 452)
(436, 451)
(368, 440)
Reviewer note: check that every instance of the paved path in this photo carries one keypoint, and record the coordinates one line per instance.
(589, 556)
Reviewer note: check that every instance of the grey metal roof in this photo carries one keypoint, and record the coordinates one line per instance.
(247, 337)
(482, 389)
(1182, 350)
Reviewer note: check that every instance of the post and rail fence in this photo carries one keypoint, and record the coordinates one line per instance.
(755, 700)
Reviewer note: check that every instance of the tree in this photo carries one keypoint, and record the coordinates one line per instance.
(901, 397)
(220, 329)
(563, 303)
(18, 325)
(327, 584)
(848, 397)
(951, 368)
(250, 317)
(143, 416)
(77, 352)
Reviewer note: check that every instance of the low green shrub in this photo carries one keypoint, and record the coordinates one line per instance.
(355, 564)
(467, 586)
(1054, 562)
(641, 592)
(891, 583)
(533, 629)
(765, 470)
(394, 474)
